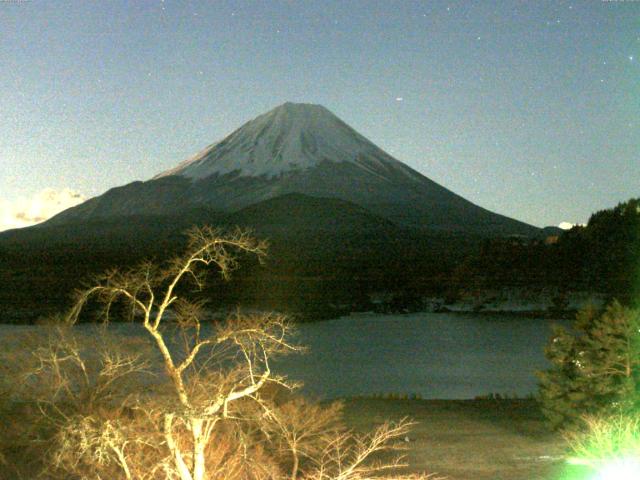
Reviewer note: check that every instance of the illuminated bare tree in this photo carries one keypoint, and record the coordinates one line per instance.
(321, 448)
(69, 388)
(302, 429)
(211, 412)
(204, 393)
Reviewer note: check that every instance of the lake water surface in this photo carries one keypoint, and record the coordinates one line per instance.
(435, 355)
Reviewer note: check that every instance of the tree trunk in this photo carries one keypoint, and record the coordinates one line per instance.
(199, 443)
(122, 460)
(296, 463)
(181, 466)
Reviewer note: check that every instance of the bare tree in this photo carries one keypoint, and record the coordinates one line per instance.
(301, 430)
(204, 394)
(348, 456)
(211, 411)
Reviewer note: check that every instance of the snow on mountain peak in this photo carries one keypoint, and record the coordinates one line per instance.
(292, 136)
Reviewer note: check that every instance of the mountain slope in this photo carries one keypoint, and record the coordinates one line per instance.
(295, 213)
(299, 148)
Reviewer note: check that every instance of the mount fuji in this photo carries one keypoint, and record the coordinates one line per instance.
(293, 150)
(344, 219)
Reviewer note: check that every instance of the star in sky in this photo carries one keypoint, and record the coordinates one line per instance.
(521, 80)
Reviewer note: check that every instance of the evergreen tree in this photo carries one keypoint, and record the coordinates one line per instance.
(595, 366)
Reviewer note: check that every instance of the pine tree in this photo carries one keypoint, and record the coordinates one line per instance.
(595, 366)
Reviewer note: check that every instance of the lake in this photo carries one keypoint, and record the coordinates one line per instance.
(435, 355)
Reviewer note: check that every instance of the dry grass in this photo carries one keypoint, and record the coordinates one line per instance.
(462, 440)
(471, 440)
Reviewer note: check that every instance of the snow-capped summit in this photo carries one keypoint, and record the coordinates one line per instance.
(291, 137)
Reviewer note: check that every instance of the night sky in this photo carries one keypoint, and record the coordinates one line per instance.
(527, 108)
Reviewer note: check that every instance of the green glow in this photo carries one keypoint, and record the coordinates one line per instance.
(620, 469)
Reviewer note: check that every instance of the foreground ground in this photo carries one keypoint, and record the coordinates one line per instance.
(453, 439)
(472, 440)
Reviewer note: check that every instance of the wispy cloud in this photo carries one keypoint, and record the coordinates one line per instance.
(24, 212)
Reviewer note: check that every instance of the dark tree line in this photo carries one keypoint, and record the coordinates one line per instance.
(326, 274)
(603, 256)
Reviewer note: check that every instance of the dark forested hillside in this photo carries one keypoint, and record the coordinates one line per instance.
(331, 257)
(603, 256)
(326, 257)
